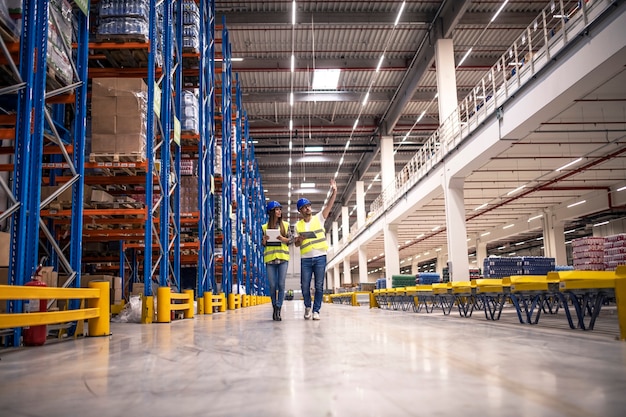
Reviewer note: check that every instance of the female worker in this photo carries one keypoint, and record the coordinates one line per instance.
(276, 239)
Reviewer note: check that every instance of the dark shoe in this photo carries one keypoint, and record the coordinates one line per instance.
(278, 314)
(275, 316)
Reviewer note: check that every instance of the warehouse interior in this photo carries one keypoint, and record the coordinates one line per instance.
(477, 244)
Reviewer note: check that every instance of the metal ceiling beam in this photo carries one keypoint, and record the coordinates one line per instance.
(342, 18)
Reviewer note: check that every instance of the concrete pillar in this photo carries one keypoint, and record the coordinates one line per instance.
(392, 255)
(337, 278)
(481, 253)
(345, 224)
(362, 265)
(387, 167)
(414, 265)
(347, 273)
(360, 204)
(456, 229)
(554, 239)
(446, 78)
(335, 239)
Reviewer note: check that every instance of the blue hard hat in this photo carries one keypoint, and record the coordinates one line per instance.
(301, 203)
(272, 205)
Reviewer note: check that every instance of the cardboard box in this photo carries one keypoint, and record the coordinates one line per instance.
(103, 143)
(99, 196)
(5, 246)
(85, 279)
(138, 289)
(132, 143)
(103, 107)
(133, 124)
(65, 196)
(116, 87)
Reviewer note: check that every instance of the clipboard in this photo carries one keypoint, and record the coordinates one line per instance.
(308, 235)
(272, 237)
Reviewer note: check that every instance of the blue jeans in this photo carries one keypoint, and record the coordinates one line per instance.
(276, 275)
(313, 267)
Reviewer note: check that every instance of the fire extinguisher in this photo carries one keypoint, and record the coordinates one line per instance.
(35, 335)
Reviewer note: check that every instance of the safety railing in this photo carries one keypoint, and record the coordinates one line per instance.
(546, 36)
(169, 302)
(96, 311)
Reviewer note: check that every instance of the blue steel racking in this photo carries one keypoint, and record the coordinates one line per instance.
(33, 120)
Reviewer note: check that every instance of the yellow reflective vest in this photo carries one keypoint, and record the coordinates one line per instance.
(276, 252)
(316, 227)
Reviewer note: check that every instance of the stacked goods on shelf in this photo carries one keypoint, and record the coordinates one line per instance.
(381, 283)
(188, 194)
(59, 42)
(118, 117)
(614, 251)
(427, 278)
(537, 265)
(367, 286)
(191, 26)
(563, 268)
(475, 273)
(189, 120)
(399, 281)
(588, 253)
(123, 20)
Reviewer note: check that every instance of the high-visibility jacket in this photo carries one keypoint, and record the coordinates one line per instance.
(276, 252)
(316, 227)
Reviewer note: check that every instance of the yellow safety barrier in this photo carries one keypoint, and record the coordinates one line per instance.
(165, 306)
(97, 312)
(214, 300)
(234, 301)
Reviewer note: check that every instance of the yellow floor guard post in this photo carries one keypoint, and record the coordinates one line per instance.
(373, 301)
(100, 326)
(222, 302)
(620, 297)
(200, 302)
(147, 310)
(208, 302)
(164, 301)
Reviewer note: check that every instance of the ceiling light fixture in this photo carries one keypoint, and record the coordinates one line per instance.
(314, 149)
(485, 234)
(521, 187)
(508, 226)
(469, 51)
(601, 224)
(367, 96)
(569, 164)
(380, 62)
(578, 203)
(399, 13)
(621, 188)
(293, 13)
(482, 206)
(325, 79)
(535, 218)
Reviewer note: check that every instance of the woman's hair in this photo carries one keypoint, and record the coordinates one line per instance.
(274, 221)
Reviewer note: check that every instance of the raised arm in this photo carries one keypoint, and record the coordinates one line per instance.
(331, 200)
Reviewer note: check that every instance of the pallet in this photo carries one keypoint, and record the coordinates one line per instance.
(117, 157)
(127, 58)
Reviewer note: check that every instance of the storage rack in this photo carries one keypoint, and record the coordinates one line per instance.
(48, 134)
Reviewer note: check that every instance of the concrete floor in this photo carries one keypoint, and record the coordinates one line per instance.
(353, 362)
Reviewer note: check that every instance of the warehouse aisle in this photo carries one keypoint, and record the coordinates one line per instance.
(353, 362)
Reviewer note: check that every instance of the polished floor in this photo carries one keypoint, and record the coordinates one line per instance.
(355, 361)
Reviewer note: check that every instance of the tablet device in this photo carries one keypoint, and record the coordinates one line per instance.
(308, 235)
(272, 237)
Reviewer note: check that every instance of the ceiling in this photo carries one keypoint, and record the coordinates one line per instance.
(352, 36)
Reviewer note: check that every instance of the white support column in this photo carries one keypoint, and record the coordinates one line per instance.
(360, 204)
(442, 262)
(335, 233)
(481, 253)
(347, 273)
(414, 266)
(387, 167)
(456, 229)
(392, 255)
(362, 265)
(554, 239)
(345, 224)
(446, 78)
(336, 277)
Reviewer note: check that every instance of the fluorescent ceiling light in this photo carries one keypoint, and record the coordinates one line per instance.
(482, 206)
(621, 188)
(293, 63)
(380, 62)
(535, 218)
(291, 124)
(485, 234)
(435, 228)
(567, 232)
(313, 149)
(578, 203)
(601, 224)
(502, 247)
(231, 60)
(569, 164)
(508, 226)
(539, 238)
(367, 96)
(293, 12)
(326, 79)
(438, 250)
(399, 13)
(521, 187)
(519, 243)
(469, 51)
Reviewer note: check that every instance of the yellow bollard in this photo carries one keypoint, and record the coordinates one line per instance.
(208, 302)
(147, 309)
(222, 308)
(231, 301)
(189, 311)
(100, 326)
(373, 302)
(164, 308)
(200, 302)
